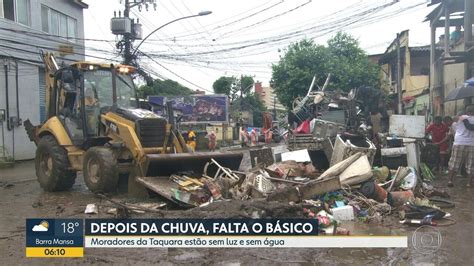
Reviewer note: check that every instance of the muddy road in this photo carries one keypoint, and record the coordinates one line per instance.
(21, 198)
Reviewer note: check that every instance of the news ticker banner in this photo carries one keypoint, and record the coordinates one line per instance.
(69, 237)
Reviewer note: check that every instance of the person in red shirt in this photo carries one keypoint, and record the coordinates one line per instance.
(439, 132)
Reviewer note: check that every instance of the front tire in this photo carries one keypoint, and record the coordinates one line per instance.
(100, 170)
(52, 166)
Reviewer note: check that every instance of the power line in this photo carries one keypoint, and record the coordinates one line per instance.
(179, 76)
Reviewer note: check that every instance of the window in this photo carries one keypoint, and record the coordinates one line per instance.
(71, 28)
(58, 24)
(54, 21)
(16, 10)
(22, 12)
(44, 22)
(62, 25)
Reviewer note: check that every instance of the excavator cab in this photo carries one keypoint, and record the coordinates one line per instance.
(94, 125)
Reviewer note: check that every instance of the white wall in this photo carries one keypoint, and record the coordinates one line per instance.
(17, 143)
(23, 48)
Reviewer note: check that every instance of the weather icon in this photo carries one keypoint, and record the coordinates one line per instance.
(41, 227)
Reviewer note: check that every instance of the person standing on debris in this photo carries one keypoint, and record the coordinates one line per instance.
(254, 137)
(192, 139)
(212, 140)
(268, 135)
(439, 136)
(463, 147)
(244, 138)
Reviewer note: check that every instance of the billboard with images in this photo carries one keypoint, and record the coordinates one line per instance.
(194, 108)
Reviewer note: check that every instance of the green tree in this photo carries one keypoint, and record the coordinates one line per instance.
(249, 102)
(231, 86)
(342, 57)
(166, 87)
(224, 85)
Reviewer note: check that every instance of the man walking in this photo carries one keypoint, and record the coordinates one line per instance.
(463, 147)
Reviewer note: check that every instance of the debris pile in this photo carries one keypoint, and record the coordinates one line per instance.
(350, 190)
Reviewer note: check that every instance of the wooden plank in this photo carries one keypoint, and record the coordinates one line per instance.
(307, 191)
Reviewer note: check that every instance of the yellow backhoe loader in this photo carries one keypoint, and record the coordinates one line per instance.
(94, 125)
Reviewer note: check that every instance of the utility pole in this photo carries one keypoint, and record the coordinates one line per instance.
(241, 93)
(399, 76)
(274, 108)
(127, 40)
(130, 29)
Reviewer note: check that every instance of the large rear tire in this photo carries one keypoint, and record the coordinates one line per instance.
(52, 166)
(100, 170)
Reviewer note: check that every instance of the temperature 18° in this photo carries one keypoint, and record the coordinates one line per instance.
(69, 227)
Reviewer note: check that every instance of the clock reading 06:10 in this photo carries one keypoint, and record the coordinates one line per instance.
(54, 251)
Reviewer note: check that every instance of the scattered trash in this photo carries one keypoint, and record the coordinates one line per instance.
(344, 213)
(356, 173)
(339, 203)
(338, 168)
(399, 198)
(286, 169)
(414, 211)
(263, 184)
(263, 156)
(300, 156)
(306, 191)
(410, 180)
(373, 191)
(398, 177)
(394, 157)
(347, 145)
(350, 189)
(426, 172)
(381, 173)
(91, 209)
(222, 172)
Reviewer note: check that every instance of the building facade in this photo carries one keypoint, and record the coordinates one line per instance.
(454, 19)
(268, 97)
(28, 27)
(414, 71)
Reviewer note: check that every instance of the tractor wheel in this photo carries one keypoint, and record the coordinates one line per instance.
(52, 166)
(100, 170)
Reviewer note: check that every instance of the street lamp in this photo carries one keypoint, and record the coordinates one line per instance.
(202, 13)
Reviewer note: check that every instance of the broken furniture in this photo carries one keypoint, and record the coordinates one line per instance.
(346, 146)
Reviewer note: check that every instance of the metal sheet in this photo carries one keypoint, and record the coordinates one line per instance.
(393, 151)
(263, 156)
(163, 186)
(408, 126)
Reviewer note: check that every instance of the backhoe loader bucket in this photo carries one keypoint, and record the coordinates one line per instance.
(168, 164)
(160, 167)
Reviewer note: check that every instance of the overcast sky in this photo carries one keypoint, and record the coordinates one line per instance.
(245, 36)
